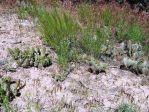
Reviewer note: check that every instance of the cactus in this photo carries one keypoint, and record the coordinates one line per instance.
(96, 67)
(132, 65)
(137, 55)
(30, 57)
(9, 89)
(134, 60)
(131, 54)
(145, 67)
(119, 50)
(110, 51)
(14, 53)
(136, 66)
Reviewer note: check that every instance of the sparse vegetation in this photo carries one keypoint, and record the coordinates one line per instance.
(102, 34)
(70, 36)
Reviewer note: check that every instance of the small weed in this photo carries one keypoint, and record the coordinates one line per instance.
(124, 107)
(61, 105)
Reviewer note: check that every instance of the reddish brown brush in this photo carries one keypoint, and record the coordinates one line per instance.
(10, 2)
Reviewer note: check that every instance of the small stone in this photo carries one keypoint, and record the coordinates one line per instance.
(14, 65)
(15, 42)
(11, 41)
(2, 62)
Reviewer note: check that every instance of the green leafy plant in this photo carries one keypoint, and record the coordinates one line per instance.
(132, 65)
(30, 57)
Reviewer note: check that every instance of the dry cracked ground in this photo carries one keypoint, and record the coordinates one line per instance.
(81, 91)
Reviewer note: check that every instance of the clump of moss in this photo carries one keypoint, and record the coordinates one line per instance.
(31, 57)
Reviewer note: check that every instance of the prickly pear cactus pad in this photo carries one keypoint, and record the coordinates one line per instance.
(96, 67)
(130, 54)
(9, 89)
(135, 61)
(31, 57)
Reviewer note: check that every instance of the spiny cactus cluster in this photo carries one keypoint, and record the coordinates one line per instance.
(136, 66)
(112, 52)
(96, 67)
(9, 89)
(60, 77)
(131, 54)
(30, 57)
(135, 60)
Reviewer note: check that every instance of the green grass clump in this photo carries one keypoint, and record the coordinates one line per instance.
(128, 28)
(86, 15)
(121, 27)
(136, 33)
(91, 42)
(107, 17)
(59, 30)
(27, 10)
